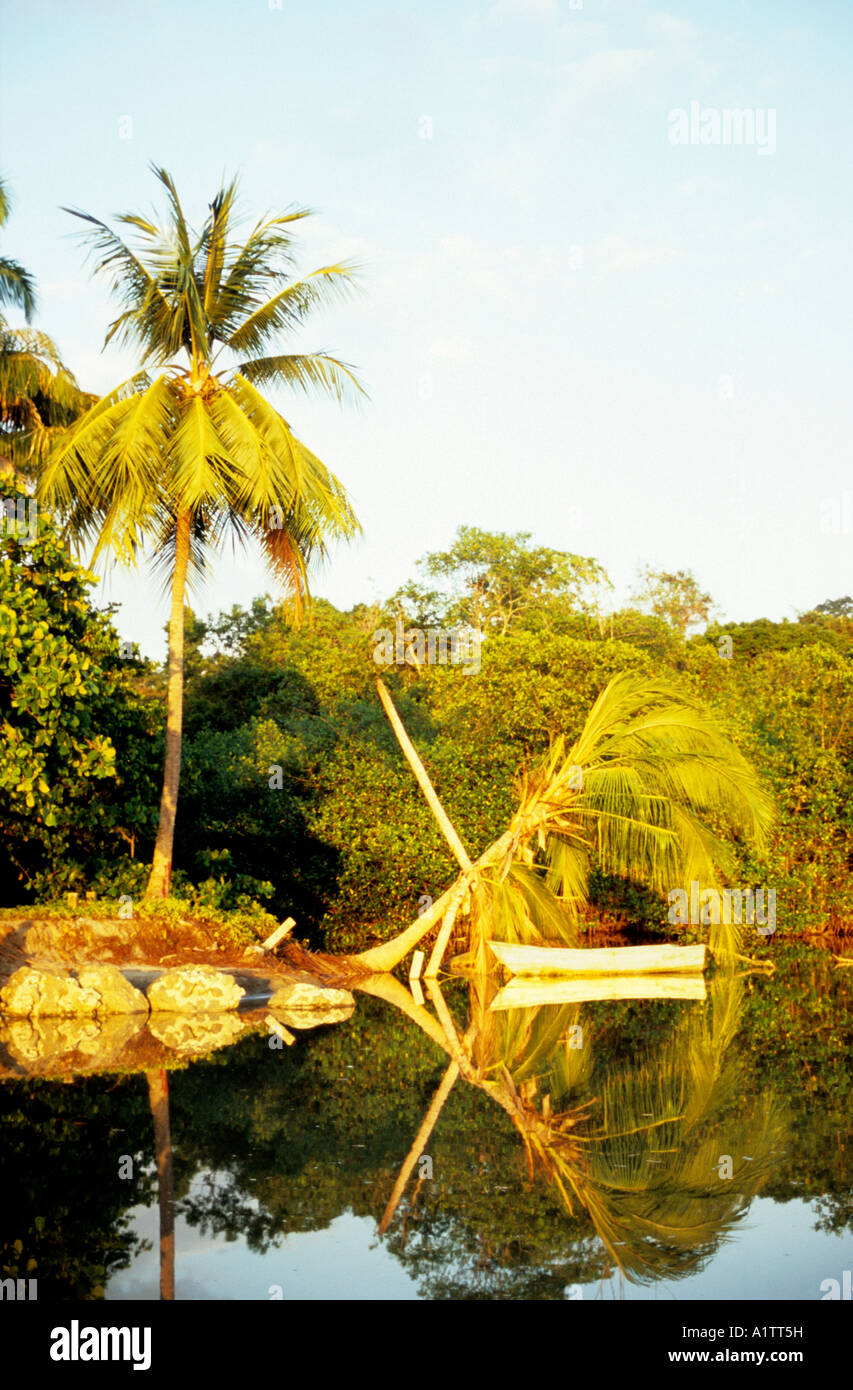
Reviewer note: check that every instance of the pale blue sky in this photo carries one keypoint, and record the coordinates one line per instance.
(656, 335)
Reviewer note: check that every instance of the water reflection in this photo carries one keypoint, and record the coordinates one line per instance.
(662, 1154)
(572, 1142)
(158, 1099)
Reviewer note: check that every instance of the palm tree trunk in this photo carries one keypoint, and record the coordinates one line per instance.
(161, 869)
(446, 825)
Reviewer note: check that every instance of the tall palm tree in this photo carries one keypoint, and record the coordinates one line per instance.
(38, 395)
(188, 450)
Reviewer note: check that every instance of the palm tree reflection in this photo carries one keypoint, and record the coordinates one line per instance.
(158, 1095)
(664, 1153)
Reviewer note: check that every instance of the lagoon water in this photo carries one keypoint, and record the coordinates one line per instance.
(631, 1149)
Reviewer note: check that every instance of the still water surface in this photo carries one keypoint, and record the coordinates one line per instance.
(654, 1149)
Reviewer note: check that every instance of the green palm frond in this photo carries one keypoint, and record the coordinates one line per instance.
(201, 466)
(213, 245)
(17, 287)
(656, 780)
(288, 308)
(39, 396)
(251, 272)
(99, 477)
(307, 372)
(149, 322)
(293, 471)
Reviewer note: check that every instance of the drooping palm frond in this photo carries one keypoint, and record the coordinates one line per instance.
(639, 793)
(252, 270)
(644, 792)
(17, 287)
(148, 322)
(39, 396)
(305, 372)
(288, 308)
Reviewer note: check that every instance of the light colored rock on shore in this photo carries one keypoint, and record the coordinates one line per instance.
(194, 989)
(51, 992)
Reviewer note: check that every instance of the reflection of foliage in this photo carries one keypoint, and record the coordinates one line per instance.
(798, 1035)
(637, 1147)
(64, 1221)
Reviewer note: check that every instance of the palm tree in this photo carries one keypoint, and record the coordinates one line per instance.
(652, 789)
(38, 395)
(181, 457)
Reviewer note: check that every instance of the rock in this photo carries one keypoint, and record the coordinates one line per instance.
(117, 994)
(49, 991)
(195, 1033)
(114, 1033)
(302, 994)
(31, 993)
(194, 989)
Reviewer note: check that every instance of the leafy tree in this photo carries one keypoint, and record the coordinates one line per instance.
(179, 459)
(837, 607)
(493, 581)
(67, 705)
(676, 597)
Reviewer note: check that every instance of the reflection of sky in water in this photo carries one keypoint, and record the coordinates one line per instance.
(775, 1254)
(345, 1261)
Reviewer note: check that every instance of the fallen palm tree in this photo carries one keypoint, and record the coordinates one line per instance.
(652, 789)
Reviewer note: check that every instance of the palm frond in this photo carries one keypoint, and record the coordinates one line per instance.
(257, 265)
(291, 305)
(17, 287)
(149, 321)
(305, 371)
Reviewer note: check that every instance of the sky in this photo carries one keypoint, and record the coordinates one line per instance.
(581, 314)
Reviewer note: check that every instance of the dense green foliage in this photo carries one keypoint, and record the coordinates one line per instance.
(79, 741)
(295, 795)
